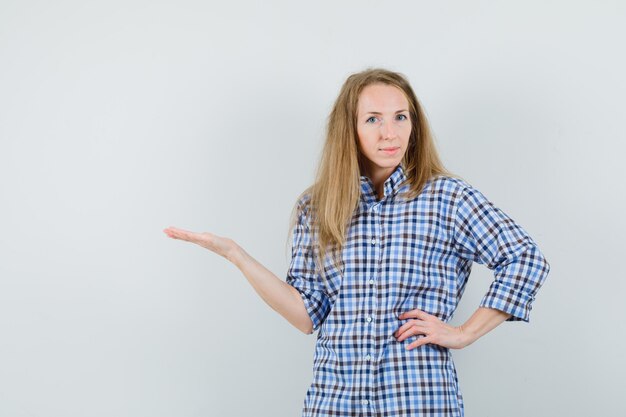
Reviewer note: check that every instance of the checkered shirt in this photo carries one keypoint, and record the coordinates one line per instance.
(398, 256)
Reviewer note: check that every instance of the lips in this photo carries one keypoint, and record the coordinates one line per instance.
(390, 148)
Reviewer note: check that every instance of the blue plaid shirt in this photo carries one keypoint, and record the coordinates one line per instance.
(400, 255)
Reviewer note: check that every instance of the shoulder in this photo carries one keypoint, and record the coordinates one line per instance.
(303, 202)
(450, 187)
(454, 192)
(303, 208)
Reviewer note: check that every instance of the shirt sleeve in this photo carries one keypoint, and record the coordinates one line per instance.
(486, 235)
(302, 275)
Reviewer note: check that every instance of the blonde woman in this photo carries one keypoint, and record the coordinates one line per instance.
(382, 246)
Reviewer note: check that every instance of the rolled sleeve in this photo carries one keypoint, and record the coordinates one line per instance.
(486, 235)
(302, 275)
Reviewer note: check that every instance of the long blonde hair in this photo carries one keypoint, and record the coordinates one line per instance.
(334, 196)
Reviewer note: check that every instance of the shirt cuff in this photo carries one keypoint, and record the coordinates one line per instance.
(503, 298)
(316, 305)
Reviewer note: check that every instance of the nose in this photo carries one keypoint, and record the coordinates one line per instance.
(387, 130)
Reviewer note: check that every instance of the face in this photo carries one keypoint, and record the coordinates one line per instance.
(383, 127)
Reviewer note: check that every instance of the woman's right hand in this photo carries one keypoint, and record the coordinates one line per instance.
(279, 295)
(223, 246)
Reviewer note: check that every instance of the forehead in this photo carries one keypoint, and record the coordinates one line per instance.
(382, 97)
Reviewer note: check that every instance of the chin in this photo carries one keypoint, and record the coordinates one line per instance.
(389, 163)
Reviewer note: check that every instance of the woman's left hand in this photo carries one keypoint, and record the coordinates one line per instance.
(433, 330)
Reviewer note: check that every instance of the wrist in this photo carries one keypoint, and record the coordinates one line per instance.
(467, 336)
(236, 255)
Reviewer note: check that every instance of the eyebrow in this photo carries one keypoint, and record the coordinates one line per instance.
(377, 112)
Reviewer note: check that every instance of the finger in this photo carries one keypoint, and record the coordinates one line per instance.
(413, 331)
(419, 342)
(174, 233)
(415, 313)
(181, 234)
(406, 326)
(411, 323)
(170, 232)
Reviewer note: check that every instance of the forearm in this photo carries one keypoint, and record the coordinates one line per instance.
(481, 322)
(280, 296)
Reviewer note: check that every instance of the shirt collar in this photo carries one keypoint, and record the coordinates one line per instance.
(392, 184)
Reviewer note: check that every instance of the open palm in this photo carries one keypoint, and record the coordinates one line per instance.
(223, 246)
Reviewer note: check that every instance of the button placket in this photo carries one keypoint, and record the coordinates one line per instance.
(376, 252)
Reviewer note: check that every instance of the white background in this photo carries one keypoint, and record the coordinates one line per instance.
(120, 118)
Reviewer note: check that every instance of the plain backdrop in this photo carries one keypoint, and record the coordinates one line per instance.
(120, 118)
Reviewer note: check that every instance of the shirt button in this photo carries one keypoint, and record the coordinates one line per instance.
(371, 282)
(368, 357)
(364, 402)
(369, 319)
(373, 241)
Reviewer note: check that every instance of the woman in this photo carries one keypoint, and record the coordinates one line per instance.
(382, 248)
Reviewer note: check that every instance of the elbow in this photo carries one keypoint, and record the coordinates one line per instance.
(306, 325)
(308, 328)
(299, 314)
(302, 322)
(542, 259)
(305, 330)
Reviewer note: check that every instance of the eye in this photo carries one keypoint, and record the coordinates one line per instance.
(402, 115)
(368, 120)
